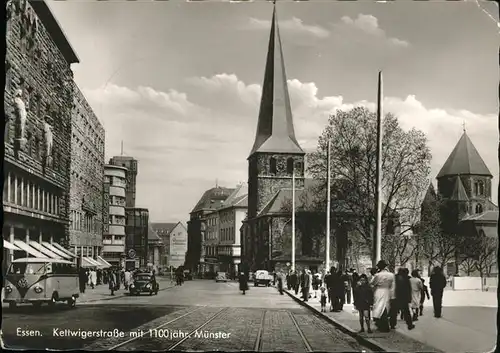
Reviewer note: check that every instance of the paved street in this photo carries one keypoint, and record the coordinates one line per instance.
(200, 315)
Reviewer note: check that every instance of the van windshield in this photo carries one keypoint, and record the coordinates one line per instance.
(31, 268)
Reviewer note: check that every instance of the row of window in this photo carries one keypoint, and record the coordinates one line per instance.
(226, 216)
(212, 221)
(479, 188)
(117, 201)
(227, 234)
(211, 251)
(115, 181)
(84, 155)
(23, 192)
(113, 241)
(84, 222)
(89, 131)
(118, 220)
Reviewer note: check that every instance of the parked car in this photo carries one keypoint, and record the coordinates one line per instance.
(144, 283)
(221, 277)
(262, 277)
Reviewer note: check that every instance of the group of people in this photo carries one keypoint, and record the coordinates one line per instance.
(379, 294)
(114, 278)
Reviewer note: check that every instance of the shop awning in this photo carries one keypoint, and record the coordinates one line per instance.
(89, 262)
(32, 251)
(10, 246)
(104, 262)
(65, 251)
(55, 250)
(44, 250)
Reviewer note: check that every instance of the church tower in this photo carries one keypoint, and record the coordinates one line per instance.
(276, 154)
(465, 178)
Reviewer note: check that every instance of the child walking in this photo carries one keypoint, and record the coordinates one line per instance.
(323, 298)
(363, 301)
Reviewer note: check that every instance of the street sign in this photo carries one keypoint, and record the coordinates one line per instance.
(131, 253)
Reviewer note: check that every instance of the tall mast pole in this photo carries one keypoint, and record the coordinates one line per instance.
(328, 205)
(377, 241)
(293, 221)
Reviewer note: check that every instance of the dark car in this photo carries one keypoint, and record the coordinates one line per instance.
(144, 283)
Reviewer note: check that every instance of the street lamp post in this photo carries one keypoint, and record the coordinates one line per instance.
(377, 241)
(293, 221)
(328, 205)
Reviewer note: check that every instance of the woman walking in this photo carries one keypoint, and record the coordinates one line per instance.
(383, 286)
(112, 282)
(416, 293)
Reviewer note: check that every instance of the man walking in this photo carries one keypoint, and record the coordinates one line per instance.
(305, 283)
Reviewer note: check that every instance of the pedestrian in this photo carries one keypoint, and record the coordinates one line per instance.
(322, 298)
(243, 282)
(112, 282)
(279, 278)
(363, 302)
(127, 279)
(383, 285)
(288, 284)
(402, 299)
(437, 284)
(294, 282)
(347, 281)
(93, 278)
(316, 284)
(329, 284)
(416, 293)
(355, 279)
(305, 283)
(339, 291)
(425, 293)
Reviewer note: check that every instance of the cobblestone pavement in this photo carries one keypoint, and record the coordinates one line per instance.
(86, 318)
(219, 317)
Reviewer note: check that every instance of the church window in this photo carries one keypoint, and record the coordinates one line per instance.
(479, 186)
(479, 208)
(272, 165)
(289, 165)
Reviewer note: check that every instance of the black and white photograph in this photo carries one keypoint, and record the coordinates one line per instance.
(267, 176)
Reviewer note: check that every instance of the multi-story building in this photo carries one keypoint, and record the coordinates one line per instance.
(155, 248)
(87, 176)
(222, 243)
(113, 238)
(132, 170)
(196, 227)
(38, 97)
(175, 241)
(136, 230)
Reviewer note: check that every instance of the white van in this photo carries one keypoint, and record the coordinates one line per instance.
(41, 280)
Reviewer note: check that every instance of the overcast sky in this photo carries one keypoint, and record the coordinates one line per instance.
(180, 83)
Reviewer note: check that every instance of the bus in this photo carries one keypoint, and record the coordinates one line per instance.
(41, 280)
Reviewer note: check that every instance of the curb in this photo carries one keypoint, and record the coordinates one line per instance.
(368, 342)
(117, 296)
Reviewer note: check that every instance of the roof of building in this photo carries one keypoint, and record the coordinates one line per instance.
(212, 199)
(430, 195)
(239, 197)
(488, 216)
(164, 229)
(275, 131)
(152, 235)
(55, 30)
(464, 159)
(459, 193)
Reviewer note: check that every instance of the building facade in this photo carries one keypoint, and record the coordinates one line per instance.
(197, 224)
(114, 208)
(87, 178)
(155, 247)
(38, 97)
(275, 157)
(132, 170)
(136, 230)
(175, 243)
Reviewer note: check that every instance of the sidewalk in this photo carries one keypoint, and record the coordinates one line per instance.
(465, 328)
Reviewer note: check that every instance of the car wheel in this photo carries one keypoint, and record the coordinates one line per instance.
(150, 293)
(71, 302)
(156, 293)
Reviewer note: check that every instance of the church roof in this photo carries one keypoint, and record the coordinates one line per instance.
(488, 216)
(275, 131)
(464, 159)
(459, 193)
(212, 199)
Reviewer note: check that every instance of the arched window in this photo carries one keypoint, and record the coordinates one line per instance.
(479, 208)
(479, 188)
(272, 165)
(289, 165)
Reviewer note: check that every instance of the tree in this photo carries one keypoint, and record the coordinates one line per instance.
(468, 265)
(405, 166)
(486, 254)
(398, 249)
(436, 245)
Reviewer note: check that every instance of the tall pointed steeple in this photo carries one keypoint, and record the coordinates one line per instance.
(464, 160)
(459, 193)
(275, 131)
